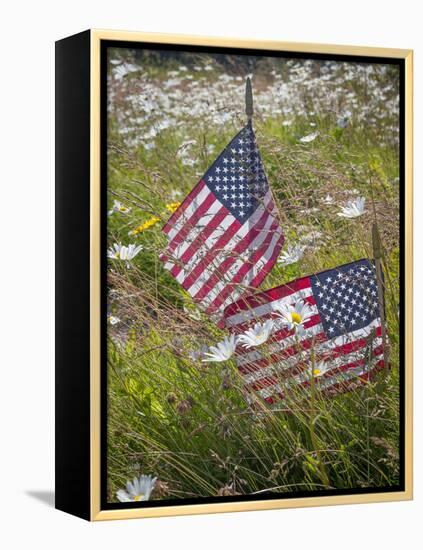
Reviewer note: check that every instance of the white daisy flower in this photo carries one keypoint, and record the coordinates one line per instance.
(223, 351)
(344, 119)
(328, 199)
(257, 335)
(112, 320)
(294, 316)
(121, 252)
(353, 208)
(122, 70)
(293, 254)
(119, 207)
(320, 369)
(309, 137)
(137, 490)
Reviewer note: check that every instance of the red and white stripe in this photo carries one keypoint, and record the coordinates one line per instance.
(215, 257)
(282, 364)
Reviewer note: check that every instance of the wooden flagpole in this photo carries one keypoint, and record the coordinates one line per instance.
(249, 100)
(377, 255)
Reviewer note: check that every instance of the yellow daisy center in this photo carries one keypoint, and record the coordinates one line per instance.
(138, 497)
(296, 318)
(316, 372)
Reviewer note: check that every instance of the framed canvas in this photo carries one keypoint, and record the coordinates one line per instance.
(234, 275)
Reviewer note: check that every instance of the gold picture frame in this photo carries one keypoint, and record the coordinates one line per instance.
(86, 499)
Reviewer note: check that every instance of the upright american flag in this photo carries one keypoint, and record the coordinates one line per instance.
(225, 237)
(342, 334)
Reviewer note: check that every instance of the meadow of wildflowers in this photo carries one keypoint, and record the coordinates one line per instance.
(179, 425)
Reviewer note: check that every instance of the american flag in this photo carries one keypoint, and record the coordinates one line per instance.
(225, 237)
(341, 336)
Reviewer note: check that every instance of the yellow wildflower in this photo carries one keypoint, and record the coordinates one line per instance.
(172, 206)
(146, 225)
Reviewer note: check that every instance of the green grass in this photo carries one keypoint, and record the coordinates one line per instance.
(186, 421)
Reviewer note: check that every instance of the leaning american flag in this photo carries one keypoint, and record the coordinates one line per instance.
(225, 237)
(340, 340)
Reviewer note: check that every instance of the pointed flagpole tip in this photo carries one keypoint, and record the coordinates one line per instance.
(249, 99)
